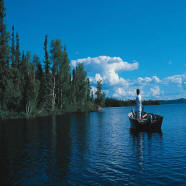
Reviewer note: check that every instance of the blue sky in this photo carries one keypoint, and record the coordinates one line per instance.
(127, 43)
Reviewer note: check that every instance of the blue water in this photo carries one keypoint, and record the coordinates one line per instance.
(94, 149)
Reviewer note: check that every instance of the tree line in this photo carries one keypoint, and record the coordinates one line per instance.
(31, 86)
(111, 102)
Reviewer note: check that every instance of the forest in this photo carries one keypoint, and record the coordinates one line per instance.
(32, 87)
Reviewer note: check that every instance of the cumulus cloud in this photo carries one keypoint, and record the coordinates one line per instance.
(106, 68)
(170, 87)
(144, 81)
(115, 62)
(121, 92)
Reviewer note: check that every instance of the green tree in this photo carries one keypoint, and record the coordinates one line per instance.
(100, 96)
(47, 83)
(13, 90)
(4, 56)
(61, 73)
(23, 66)
(57, 59)
(14, 84)
(26, 86)
(17, 52)
(39, 70)
(81, 84)
(65, 79)
(56, 56)
(47, 62)
(88, 90)
(13, 48)
(30, 93)
(35, 65)
(4, 38)
(39, 76)
(73, 87)
(30, 85)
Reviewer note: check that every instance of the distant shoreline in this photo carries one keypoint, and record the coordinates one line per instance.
(111, 102)
(174, 101)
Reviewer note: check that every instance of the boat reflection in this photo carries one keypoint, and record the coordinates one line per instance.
(142, 142)
(148, 133)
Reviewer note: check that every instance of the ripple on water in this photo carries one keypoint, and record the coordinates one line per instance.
(94, 149)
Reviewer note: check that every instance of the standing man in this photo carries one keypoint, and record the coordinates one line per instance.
(138, 104)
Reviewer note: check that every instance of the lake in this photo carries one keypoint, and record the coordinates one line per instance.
(94, 149)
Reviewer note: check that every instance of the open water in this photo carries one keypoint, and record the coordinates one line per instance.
(94, 149)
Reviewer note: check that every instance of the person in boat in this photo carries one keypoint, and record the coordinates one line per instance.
(138, 104)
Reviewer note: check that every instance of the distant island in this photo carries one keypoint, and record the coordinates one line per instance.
(174, 101)
(112, 102)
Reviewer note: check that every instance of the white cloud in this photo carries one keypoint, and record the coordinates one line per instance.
(148, 79)
(155, 91)
(156, 79)
(177, 79)
(153, 87)
(106, 68)
(98, 77)
(116, 63)
(93, 89)
(144, 81)
(121, 92)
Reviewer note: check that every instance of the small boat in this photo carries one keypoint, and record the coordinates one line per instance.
(149, 121)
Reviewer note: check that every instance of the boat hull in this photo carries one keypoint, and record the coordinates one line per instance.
(145, 124)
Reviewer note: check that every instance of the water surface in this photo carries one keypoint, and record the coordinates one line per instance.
(94, 149)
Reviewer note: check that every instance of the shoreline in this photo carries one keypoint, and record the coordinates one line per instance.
(9, 115)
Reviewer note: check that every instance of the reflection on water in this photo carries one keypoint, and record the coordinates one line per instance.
(138, 143)
(93, 148)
